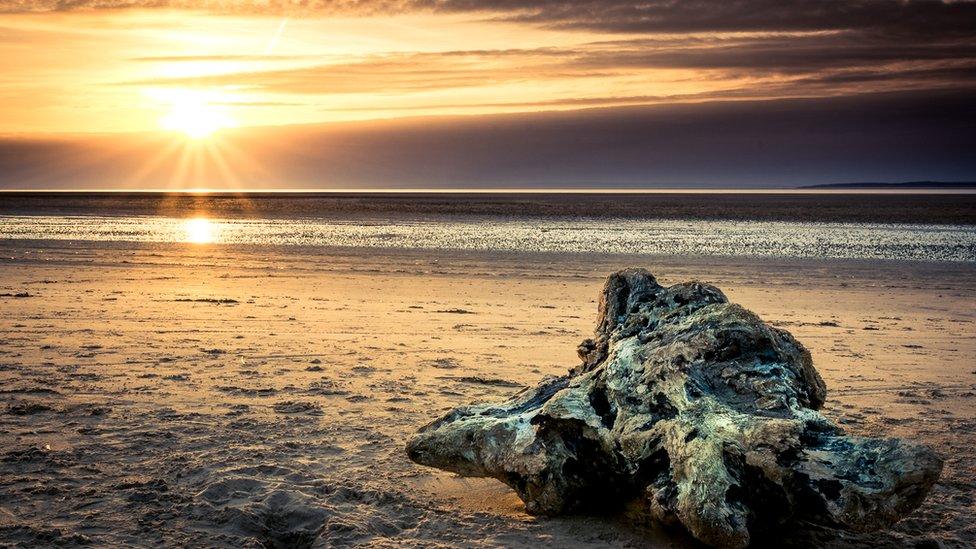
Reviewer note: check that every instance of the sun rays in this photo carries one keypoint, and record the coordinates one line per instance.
(195, 151)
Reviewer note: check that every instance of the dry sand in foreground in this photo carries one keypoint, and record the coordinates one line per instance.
(211, 396)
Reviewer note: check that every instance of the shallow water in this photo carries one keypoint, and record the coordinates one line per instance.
(955, 243)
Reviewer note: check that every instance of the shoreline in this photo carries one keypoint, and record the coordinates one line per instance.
(301, 257)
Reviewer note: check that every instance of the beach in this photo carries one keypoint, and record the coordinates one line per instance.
(295, 274)
(244, 395)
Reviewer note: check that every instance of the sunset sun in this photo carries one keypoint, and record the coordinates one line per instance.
(194, 116)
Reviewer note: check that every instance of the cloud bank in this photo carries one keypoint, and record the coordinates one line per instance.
(774, 143)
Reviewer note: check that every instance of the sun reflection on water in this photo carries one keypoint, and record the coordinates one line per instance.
(664, 237)
(200, 230)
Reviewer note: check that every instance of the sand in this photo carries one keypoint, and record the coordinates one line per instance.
(203, 395)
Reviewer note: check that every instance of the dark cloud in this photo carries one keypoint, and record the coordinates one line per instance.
(907, 17)
(876, 137)
(954, 76)
(792, 54)
(912, 17)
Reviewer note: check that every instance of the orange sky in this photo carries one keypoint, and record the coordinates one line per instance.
(123, 71)
(192, 67)
(98, 70)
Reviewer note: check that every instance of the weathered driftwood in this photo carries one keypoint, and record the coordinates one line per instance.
(694, 410)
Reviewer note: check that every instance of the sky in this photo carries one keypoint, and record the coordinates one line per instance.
(268, 94)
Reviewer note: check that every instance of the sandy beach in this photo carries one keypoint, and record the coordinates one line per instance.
(234, 396)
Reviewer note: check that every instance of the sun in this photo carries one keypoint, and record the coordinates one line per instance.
(194, 116)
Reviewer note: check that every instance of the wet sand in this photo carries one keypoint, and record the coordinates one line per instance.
(207, 395)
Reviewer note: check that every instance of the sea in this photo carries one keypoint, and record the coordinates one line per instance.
(934, 227)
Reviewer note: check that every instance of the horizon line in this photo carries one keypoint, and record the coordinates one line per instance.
(963, 188)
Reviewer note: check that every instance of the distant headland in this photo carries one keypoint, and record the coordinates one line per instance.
(903, 185)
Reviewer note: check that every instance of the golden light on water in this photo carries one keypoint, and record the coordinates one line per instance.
(200, 231)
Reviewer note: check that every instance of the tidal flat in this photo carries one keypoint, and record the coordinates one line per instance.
(235, 395)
